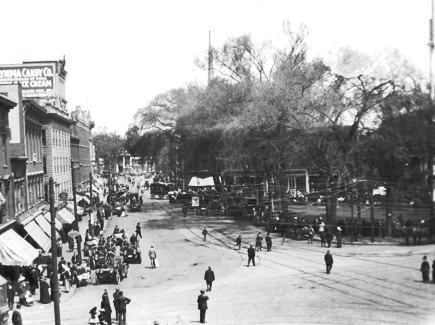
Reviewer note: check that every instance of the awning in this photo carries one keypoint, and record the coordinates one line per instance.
(70, 207)
(57, 223)
(199, 182)
(14, 250)
(38, 236)
(44, 224)
(65, 216)
(96, 184)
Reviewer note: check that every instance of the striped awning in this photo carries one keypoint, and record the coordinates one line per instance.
(65, 216)
(14, 250)
(57, 223)
(38, 235)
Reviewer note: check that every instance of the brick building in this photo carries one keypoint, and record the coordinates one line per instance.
(7, 209)
(81, 146)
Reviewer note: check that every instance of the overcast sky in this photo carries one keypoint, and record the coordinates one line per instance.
(121, 54)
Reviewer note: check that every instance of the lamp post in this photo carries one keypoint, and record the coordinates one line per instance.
(55, 287)
(79, 242)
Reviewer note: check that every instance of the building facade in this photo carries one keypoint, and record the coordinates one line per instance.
(7, 208)
(82, 146)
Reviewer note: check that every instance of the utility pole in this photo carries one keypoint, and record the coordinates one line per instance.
(91, 209)
(431, 118)
(79, 242)
(55, 287)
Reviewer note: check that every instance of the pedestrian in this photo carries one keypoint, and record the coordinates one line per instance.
(153, 255)
(310, 234)
(329, 237)
(251, 255)
(259, 242)
(138, 230)
(425, 269)
(239, 241)
(74, 275)
(202, 306)
(433, 271)
(70, 244)
(205, 233)
(184, 211)
(44, 292)
(105, 304)
(33, 277)
(97, 229)
(339, 237)
(268, 242)
(10, 294)
(122, 308)
(67, 278)
(328, 261)
(209, 278)
(16, 316)
(322, 233)
(49, 267)
(116, 294)
(59, 247)
(93, 320)
(107, 211)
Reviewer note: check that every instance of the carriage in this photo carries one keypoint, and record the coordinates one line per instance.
(135, 205)
(159, 190)
(112, 274)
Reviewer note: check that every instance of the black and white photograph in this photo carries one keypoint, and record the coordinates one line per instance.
(217, 162)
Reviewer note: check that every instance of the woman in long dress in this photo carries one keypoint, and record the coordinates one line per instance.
(67, 277)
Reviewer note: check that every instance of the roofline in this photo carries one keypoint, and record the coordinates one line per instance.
(35, 104)
(56, 116)
(6, 101)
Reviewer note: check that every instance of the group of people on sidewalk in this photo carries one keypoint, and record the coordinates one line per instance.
(120, 303)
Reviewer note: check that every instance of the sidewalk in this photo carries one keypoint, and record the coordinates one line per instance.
(83, 225)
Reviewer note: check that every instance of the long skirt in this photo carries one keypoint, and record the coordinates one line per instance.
(59, 252)
(67, 284)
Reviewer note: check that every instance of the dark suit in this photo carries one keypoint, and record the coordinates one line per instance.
(209, 278)
(251, 255)
(122, 308)
(115, 303)
(11, 295)
(202, 306)
(328, 260)
(106, 305)
(425, 269)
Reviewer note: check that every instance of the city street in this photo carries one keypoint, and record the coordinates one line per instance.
(367, 285)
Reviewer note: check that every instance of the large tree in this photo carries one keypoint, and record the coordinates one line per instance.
(108, 145)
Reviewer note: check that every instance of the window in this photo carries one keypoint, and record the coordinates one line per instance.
(5, 149)
(44, 138)
(44, 160)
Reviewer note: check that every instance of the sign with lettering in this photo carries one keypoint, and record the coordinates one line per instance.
(36, 79)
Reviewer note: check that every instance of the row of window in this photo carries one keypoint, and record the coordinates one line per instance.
(61, 165)
(60, 139)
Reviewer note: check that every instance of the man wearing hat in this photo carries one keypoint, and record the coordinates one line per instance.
(105, 304)
(116, 294)
(209, 278)
(425, 269)
(328, 260)
(153, 255)
(339, 237)
(328, 237)
(322, 233)
(251, 255)
(202, 306)
(122, 307)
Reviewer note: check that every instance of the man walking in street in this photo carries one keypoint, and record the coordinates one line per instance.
(138, 230)
(310, 234)
(322, 233)
(251, 255)
(328, 260)
(268, 242)
(153, 255)
(425, 269)
(122, 308)
(239, 241)
(209, 278)
(202, 306)
(205, 233)
(329, 237)
(259, 242)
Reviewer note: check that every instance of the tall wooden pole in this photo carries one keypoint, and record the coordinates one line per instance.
(91, 210)
(55, 286)
(431, 116)
(79, 244)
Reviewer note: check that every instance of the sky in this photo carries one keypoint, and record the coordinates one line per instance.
(121, 54)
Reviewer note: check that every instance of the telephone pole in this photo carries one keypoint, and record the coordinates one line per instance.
(55, 287)
(431, 115)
